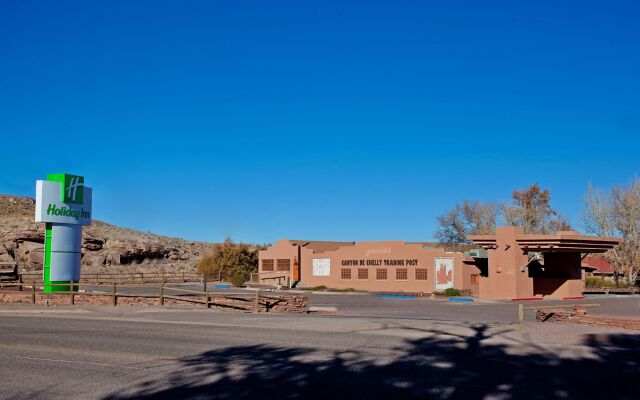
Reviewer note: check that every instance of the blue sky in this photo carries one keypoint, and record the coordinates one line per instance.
(317, 120)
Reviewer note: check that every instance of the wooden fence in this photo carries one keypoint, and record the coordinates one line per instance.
(268, 279)
(253, 301)
(119, 278)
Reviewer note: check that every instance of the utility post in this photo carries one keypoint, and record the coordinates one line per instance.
(520, 312)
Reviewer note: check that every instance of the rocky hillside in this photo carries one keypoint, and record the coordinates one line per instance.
(105, 247)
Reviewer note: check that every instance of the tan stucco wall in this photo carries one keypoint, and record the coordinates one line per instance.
(373, 256)
(283, 249)
(509, 271)
(506, 280)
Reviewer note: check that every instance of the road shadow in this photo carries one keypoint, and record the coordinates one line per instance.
(439, 366)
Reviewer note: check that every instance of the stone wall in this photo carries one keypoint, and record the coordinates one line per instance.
(578, 315)
(274, 304)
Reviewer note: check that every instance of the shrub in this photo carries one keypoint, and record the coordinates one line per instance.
(233, 262)
(597, 282)
(451, 292)
(314, 288)
(238, 278)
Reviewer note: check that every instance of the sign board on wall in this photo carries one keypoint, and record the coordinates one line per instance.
(321, 267)
(444, 273)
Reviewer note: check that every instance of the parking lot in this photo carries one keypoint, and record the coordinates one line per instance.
(371, 305)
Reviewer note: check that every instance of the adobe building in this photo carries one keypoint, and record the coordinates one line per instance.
(387, 266)
(510, 265)
(530, 266)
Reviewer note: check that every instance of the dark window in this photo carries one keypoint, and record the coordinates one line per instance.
(363, 273)
(421, 274)
(381, 274)
(267, 265)
(283, 264)
(401, 274)
(345, 273)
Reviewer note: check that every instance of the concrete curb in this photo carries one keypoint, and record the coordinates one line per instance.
(323, 309)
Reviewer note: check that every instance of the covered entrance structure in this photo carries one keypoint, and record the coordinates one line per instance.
(519, 266)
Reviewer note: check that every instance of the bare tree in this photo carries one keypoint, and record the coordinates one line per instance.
(617, 214)
(531, 209)
(599, 219)
(467, 218)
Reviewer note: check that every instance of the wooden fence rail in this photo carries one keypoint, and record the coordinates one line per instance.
(207, 297)
(121, 278)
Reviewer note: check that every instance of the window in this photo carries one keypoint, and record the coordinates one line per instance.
(283, 264)
(475, 279)
(421, 274)
(267, 265)
(345, 273)
(401, 274)
(381, 274)
(363, 273)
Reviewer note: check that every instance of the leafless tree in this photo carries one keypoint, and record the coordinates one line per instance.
(617, 214)
(467, 218)
(531, 209)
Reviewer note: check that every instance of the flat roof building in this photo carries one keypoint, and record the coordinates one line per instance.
(385, 266)
(511, 265)
(527, 266)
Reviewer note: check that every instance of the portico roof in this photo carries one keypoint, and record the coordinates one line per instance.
(563, 241)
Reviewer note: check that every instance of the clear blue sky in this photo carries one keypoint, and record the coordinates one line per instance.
(328, 120)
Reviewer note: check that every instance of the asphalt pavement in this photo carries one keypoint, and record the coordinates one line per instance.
(372, 348)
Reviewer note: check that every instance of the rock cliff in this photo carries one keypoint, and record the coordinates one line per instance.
(105, 247)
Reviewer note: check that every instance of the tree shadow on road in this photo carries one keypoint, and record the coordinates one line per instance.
(439, 366)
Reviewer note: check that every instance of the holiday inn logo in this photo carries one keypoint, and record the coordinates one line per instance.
(72, 187)
(67, 212)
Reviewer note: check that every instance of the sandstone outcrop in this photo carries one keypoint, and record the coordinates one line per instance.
(105, 247)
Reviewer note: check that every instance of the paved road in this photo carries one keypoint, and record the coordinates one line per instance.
(154, 353)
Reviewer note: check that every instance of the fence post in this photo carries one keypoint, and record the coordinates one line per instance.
(33, 293)
(113, 294)
(207, 299)
(520, 312)
(162, 293)
(257, 301)
(142, 278)
(71, 297)
(97, 278)
(20, 283)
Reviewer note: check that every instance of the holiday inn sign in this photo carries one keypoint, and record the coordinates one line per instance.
(63, 203)
(63, 198)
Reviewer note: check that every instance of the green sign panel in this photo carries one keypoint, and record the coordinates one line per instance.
(72, 187)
